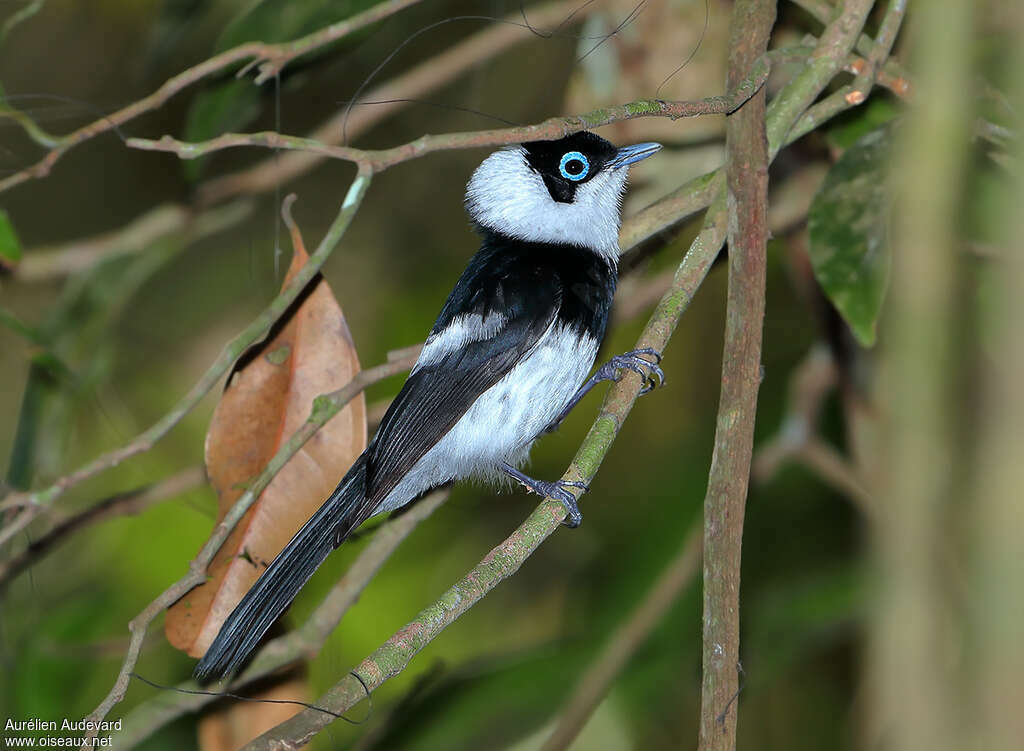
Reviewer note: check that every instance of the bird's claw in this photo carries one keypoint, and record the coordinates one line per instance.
(573, 517)
(558, 491)
(651, 372)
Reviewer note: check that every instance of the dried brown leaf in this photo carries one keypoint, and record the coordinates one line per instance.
(268, 397)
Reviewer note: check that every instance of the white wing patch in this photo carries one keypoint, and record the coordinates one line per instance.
(469, 327)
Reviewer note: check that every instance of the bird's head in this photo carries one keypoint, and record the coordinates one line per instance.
(564, 191)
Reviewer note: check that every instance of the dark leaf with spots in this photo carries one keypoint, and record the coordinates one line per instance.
(849, 246)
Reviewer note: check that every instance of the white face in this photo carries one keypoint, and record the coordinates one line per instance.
(506, 195)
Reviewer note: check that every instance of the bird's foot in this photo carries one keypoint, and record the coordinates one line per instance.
(651, 372)
(557, 490)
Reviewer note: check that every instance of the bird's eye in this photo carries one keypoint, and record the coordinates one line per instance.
(574, 166)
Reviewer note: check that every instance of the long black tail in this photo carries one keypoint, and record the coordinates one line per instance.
(274, 591)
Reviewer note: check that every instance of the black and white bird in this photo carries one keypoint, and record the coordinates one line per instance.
(505, 362)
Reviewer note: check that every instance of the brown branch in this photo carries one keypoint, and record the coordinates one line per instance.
(598, 678)
(130, 503)
(724, 505)
(304, 642)
(550, 129)
(276, 56)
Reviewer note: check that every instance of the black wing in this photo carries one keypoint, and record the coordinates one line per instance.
(515, 303)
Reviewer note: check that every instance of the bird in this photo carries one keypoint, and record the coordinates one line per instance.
(505, 362)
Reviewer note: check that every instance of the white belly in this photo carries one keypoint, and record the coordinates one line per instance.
(503, 423)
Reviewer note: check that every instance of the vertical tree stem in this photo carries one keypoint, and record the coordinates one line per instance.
(747, 202)
(912, 697)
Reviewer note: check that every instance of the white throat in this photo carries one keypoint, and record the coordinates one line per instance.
(506, 195)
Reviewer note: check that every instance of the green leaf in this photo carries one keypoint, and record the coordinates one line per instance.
(10, 248)
(849, 246)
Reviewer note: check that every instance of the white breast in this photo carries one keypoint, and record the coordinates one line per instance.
(503, 423)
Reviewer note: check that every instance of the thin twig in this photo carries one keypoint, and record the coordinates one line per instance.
(824, 12)
(129, 503)
(277, 56)
(553, 128)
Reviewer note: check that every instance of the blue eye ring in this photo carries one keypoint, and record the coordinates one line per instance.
(570, 157)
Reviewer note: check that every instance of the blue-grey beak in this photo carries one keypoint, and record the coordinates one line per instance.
(627, 155)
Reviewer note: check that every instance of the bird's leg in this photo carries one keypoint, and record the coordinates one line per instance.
(610, 372)
(557, 490)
